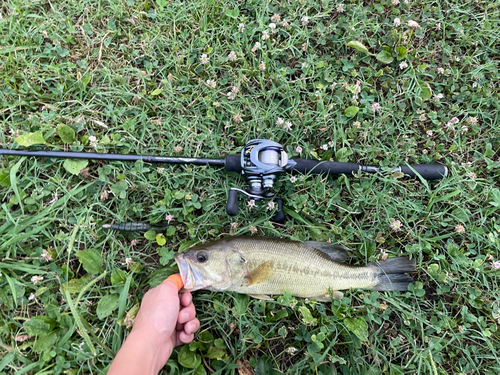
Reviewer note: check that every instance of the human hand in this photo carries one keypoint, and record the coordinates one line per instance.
(166, 319)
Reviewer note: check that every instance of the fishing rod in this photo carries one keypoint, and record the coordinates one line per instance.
(261, 161)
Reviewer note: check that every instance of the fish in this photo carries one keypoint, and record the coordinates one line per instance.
(265, 266)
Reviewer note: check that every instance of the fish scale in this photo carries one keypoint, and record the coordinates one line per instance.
(300, 270)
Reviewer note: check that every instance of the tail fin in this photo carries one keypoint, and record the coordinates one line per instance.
(392, 273)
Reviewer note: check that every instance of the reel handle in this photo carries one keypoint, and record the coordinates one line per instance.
(232, 208)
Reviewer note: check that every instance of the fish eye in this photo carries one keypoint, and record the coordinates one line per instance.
(202, 257)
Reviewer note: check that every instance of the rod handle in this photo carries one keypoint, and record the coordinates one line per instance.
(427, 171)
(327, 167)
(232, 203)
(232, 163)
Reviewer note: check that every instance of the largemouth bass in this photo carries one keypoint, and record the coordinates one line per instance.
(264, 266)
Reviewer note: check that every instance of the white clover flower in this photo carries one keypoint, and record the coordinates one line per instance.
(395, 2)
(429, 133)
(251, 203)
(340, 8)
(262, 65)
(305, 20)
(128, 262)
(256, 46)
(265, 35)
(276, 18)
(397, 22)
(35, 279)
(46, 256)
(287, 126)
(232, 56)
(31, 297)
(270, 206)
(293, 179)
(396, 225)
(241, 27)
(472, 120)
(413, 25)
(285, 23)
(234, 91)
(403, 65)
(440, 70)
(272, 26)
(280, 121)
(324, 147)
(211, 83)
(204, 59)
(237, 118)
(383, 254)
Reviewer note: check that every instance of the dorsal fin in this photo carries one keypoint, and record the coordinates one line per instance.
(330, 251)
(260, 274)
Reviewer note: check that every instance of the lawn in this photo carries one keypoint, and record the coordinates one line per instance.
(378, 83)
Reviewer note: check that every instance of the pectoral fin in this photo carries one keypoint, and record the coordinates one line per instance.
(260, 274)
(261, 296)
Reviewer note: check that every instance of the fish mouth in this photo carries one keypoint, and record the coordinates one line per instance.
(191, 277)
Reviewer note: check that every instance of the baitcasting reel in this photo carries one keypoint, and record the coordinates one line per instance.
(261, 161)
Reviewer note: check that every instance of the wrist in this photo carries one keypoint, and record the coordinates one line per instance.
(148, 348)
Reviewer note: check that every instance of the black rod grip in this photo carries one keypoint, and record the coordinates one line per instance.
(427, 171)
(233, 163)
(232, 203)
(329, 167)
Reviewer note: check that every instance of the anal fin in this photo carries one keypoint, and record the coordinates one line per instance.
(262, 297)
(326, 296)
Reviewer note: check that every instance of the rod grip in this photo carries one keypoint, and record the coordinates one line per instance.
(233, 163)
(328, 167)
(427, 171)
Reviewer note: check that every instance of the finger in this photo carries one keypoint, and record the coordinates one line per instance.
(191, 326)
(184, 338)
(186, 314)
(179, 327)
(186, 299)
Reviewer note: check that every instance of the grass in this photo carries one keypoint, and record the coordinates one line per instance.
(126, 76)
